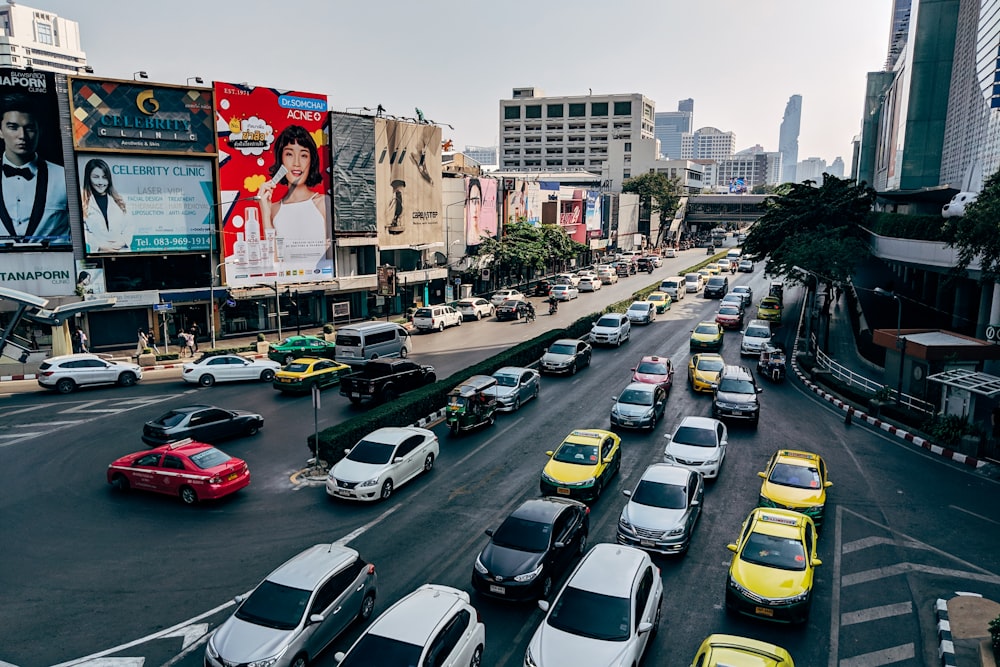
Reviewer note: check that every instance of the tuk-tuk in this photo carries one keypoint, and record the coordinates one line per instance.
(470, 405)
(777, 290)
(772, 363)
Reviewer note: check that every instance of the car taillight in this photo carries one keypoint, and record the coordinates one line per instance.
(586, 510)
(189, 370)
(371, 568)
(215, 480)
(48, 373)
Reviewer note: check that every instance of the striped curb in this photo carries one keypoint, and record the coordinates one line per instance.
(946, 647)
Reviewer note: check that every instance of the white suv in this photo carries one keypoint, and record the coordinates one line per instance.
(756, 337)
(611, 329)
(436, 318)
(605, 614)
(475, 308)
(433, 625)
(67, 372)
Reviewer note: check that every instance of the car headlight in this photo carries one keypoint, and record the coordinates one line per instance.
(614, 410)
(528, 576)
(529, 660)
(736, 585)
(668, 458)
(625, 525)
(801, 597)
(266, 662)
(210, 648)
(480, 568)
(675, 532)
(549, 479)
(369, 482)
(649, 414)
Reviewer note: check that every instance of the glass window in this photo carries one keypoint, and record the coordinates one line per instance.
(533, 111)
(274, 606)
(367, 451)
(623, 108)
(655, 494)
(592, 615)
(554, 111)
(376, 650)
(577, 110)
(173, 462)
(446, 641)
(773, 551)
(523, 535)
(598, 108)
(642, 595)
(511, 113)
(209, 458)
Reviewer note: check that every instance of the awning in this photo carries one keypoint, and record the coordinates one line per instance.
(971, 381)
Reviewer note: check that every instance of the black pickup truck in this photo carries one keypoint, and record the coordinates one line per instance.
(385, 379)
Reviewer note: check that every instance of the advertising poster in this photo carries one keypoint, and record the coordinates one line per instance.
(34, 212)
(408, 183)
(39, 273)
(352, 139)
(132, 116)
(524, 203)
(274, 182)
(145, 203)
(480, 209)
(592, 217)
(90, 283)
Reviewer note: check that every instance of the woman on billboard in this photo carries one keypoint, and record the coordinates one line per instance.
(297, 222)
(105, 219)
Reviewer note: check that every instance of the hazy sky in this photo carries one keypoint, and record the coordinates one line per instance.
(740, 61)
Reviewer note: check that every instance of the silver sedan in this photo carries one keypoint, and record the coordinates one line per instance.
(662, 510)
(514, 386)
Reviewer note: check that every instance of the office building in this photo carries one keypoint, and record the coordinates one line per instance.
(539, 133)
(40, 40)
(671, 125)
(836, 168)
(486, 156)
(810, 169)
(710, 143)
(788, 138)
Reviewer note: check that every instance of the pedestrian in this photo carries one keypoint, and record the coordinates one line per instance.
(76, 342)
(151, 341)
(195, 332)
(188, 339)
(83, 340)
(142, 343)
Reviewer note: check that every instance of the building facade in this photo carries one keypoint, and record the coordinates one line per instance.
(788, 138)
(671, 125)
(40, 40)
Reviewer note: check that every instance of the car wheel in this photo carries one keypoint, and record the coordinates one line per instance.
(403, 352)
(300, 661)
(517, 404)
(429, 463)
(535, 395)
(598, 489)
(367, 607)
(188, 496)
(126, 379)
(618, 341)
(386, 490)
(441, 327)
(477, 657)
(65, 386)
(267, 375)
(289, 358)
(388, 395)
(479, 316)
(459, 322)
(546, 587)
(253, 429)
(206, 380)
(356, 400)
(582, 545)
(120, 483)
(572, 369)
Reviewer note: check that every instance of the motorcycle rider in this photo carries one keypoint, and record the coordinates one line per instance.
(732, 268)
(553, 305)
(529, 311)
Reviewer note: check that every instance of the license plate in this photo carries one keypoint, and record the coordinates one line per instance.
(646, 543)
(355, 394)
(562, 492)
(627, 422)
(763, 611)
(284, 380)
(737, 413)
(343, 492)
(500, 590)
(231, 476)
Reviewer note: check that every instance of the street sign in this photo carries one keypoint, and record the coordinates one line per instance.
(315, 397)
(165, 307)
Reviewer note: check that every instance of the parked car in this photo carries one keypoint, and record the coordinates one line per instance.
(514, 386)
(506, 295)
(531, 549)
(699, 444)
(204, 423)
(436, 318)
(66, 372)
(294, 347)
(611, 329)
(669, 253)
(662, 510)
(228, 368)
(433, 625)
(641, 312)
(736, 395)
(639, 405)
(474, 308)
(381, 462)
(192, 471)
(297, 610)
(566, 355)
(564, 292)
(302, 375)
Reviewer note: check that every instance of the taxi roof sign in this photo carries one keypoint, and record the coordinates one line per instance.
(798, 455)
(587, 434)
(784, 520)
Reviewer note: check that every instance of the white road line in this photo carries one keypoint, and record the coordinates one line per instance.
(115, 662)
(354, 534)
(71, 422)
(978, 516)
(868, 542)
(86, 406)
(886, 656)
(8, 413)
(838, 536)
(876, 613)
(865, 576)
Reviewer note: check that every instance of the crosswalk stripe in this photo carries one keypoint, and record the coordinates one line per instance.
(876, 613)
(868, 542)
(886, 656)
(901, 568)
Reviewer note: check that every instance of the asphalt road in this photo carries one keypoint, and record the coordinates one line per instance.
(89, 573)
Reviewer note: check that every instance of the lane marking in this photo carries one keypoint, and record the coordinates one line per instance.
(876, 613)
(978, 516)
(886, 656)
(357, 532)
(838, 536)
(869, 542)
(8, 413)
(874, 574)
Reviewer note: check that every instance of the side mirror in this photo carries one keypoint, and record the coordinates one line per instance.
(609, 458)
(316, 618)
(549, 453)
(347, 450)
(695, 503)
(627, 493)
(827, 485)
(659, 404)
(489, 532)
(667, 437)
(644, 627)
(339, 656)
(240, 598)
(762, 475)
(760, 389)
(543, 605)
(398, 459)
(816, 562)
(731, 547)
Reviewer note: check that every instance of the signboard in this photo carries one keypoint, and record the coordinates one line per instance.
(993, 332)
(89, 281)
(408, 183)
(135, 299)
(480, 209)
(133, 116)
(165, 307)
(386, 281)
(39, 273)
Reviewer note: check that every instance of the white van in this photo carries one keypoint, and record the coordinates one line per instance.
(734, 255)
(357, 344)
(674, 286)
(694, 282)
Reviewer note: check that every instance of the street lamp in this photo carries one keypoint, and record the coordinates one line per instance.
(900, 341)
(196, 79)
(141, 74)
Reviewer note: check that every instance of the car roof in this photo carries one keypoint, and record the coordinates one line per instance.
(393, 435)
(78, 355)
(741, 372)
(414, 618)
(778, 522)
(760, 323)
(698, 422)
(655, 357)
(511, 370)
(644, 304)
(798, 457)
(666, 474)
(545, 508)
(608, 569)
(644, 387)
(309, 568)
(587, 436)
(192, 408)
(566, 341)
(742, 288)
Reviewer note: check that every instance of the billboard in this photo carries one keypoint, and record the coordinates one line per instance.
(352, 140)
(145, 203)
(39, 273)
(274, 178)
(480, 209)
(408, 184)
(132, 116)
(592, 216)
(33, 208)
(90, 283)
(524, 202)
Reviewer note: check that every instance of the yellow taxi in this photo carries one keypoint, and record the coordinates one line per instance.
(582, 465)
(713, 268)
(771, 574)
(661, 300)
(705, 275)
(302, 374)
(706, 336)
(732, 651)
(795, 480)
(769, 309)
(704, 370)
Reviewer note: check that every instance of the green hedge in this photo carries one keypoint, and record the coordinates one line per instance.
(229, 350)
(902, 226)
(415, 405)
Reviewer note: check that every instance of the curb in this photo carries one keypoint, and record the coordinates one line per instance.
(158, 367)
(946, 647)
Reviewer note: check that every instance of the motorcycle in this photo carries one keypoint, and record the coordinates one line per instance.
(529, 314)
(553, 307)
(650, 267)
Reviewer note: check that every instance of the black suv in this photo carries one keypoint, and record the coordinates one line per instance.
(716, 287)
(736, 395)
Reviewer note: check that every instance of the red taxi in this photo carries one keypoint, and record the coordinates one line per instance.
(191, 470)
(654, 370)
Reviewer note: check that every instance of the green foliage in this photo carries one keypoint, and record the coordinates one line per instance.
(947, 430)
(994, 628)
(901, 226)
(261, 338)
(524, 246)
(976, 235)
(884, 393)
(328, 328)
(659, 191)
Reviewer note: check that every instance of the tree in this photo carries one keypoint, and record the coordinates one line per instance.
(657, 191)
(528, 247)
(977, 233)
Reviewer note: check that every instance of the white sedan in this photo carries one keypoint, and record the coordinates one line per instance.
(589, 284)
(564, 292)
(383, 460)
(228, 368)
(506, 295)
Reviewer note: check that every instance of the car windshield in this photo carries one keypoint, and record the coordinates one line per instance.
(523, 535)
(297, 367)
(758, 332)
(655, 494)
(367, 451)
(800, 477)
(290, 342)
(506, 380)
(710, 364)
(348, 340)
(172, 418)
(698, 437)
(735, 386)
(652, 368)
(706, 329)
(729, 310)
(579, 454)
(655, 297)
(611, 322)
(639, 307)
(636, 397)
(209, 458)
(562, 349)
(591, 615)
(377, 651)
(274, 606)
(780, 552)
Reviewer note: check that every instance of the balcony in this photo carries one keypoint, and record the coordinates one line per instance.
(934, 254)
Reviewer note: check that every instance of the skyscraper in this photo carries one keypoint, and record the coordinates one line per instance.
(788, 138)
(670, 125)
(40, 40)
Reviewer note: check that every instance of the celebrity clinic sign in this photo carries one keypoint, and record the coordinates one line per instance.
(127, 116)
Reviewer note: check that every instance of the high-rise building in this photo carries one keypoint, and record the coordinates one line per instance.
(788, 138)
(486, 156)
(539, 133)
(40, 40)
(836, 168)
(671, 125)
(710, 143)
(899, 32)
(810, 169)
